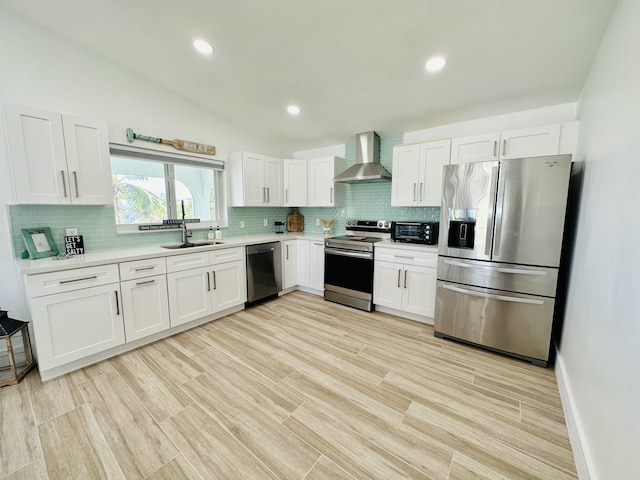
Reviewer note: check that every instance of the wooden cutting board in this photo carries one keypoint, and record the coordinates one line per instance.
(295, 222)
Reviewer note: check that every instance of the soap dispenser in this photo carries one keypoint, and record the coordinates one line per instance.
(218, 233)
(210, 235)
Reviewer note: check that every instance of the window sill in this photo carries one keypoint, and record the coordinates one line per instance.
(130, 229)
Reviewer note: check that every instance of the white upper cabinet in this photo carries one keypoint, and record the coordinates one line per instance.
(476, 148)
(273, 181)
(525, 142)
(58, 159)
(322, 191)
(254, 180)
(530, 142)
(295, 182)
(417, 173)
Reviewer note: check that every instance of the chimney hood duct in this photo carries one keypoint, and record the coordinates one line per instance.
(367, 168)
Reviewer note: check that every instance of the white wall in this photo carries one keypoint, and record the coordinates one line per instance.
(599, 358)
(43, 70)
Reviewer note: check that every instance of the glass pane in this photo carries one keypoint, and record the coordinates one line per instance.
(139, 191)
(196, 187)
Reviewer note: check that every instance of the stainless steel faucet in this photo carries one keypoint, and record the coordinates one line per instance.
(185, 233)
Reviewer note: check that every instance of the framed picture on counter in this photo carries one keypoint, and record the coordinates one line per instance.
(39, 242)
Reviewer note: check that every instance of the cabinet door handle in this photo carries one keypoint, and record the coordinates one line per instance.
(287, 248)
(75, 182)
(405, 279)
(143, 269)
(145, 283)
(215, 285)
(208, 283)
(64, 183)
(331, 195)
(92, 277)
(414, 191)
(399, 272)
(421, 190)
(495, 148)
(402, 256)
(286, 195)
(504, 147)
(264, 194)
(117, 303)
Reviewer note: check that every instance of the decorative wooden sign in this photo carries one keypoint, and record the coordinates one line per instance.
(73, 245)
(177, 143)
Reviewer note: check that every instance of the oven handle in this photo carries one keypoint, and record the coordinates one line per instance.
(347, 253)
(503, 298)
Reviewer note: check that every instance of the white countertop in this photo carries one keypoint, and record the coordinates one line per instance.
(406, 246)
(102, 257)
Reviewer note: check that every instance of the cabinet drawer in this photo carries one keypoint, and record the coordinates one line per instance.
(178, 263)
(226, 255)
(142, 268)
(68, 280)
(410, 257)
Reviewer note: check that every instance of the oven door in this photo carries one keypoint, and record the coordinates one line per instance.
(348, 272)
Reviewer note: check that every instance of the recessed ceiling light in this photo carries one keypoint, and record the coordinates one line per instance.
(203, 47)
(293, 109)
(435, 63)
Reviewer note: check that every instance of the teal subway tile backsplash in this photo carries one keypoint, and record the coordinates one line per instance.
(368, 201)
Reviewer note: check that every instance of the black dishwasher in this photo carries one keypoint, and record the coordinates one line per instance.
(264, 271)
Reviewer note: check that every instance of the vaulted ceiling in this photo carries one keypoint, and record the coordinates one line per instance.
(351, 65)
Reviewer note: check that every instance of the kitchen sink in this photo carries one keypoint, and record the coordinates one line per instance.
(194, 244)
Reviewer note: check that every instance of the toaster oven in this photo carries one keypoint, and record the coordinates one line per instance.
(415, 232)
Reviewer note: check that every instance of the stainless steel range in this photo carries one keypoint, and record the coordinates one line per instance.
(348, 263)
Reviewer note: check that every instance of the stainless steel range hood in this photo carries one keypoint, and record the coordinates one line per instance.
(367, 168)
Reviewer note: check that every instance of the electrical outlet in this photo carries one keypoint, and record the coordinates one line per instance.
(241, 223)
(265, 222)
(317, 222)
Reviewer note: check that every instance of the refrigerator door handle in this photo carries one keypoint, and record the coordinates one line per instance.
(499, 209)
(492, 210)
(518, 271)
(492, 296)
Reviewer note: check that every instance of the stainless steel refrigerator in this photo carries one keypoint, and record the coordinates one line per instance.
(500, 245)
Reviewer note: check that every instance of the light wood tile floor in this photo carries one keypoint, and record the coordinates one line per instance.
(297, 388)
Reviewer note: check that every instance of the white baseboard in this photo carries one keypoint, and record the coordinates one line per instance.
(576, 433)
(407, 315)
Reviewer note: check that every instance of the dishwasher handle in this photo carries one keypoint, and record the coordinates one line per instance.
(263, 248)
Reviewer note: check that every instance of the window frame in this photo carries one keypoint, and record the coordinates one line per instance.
(169, 160)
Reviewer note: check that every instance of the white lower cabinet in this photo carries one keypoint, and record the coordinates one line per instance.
(197, 292)
(189, 295)
(302, 271)
(316, 265)
(75, 324)
(310, 269)
(405, 281)
(290, 264)
(145, 302)
(228, 286)
(145, 305)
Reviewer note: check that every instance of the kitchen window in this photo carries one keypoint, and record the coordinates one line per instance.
(150, 186)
